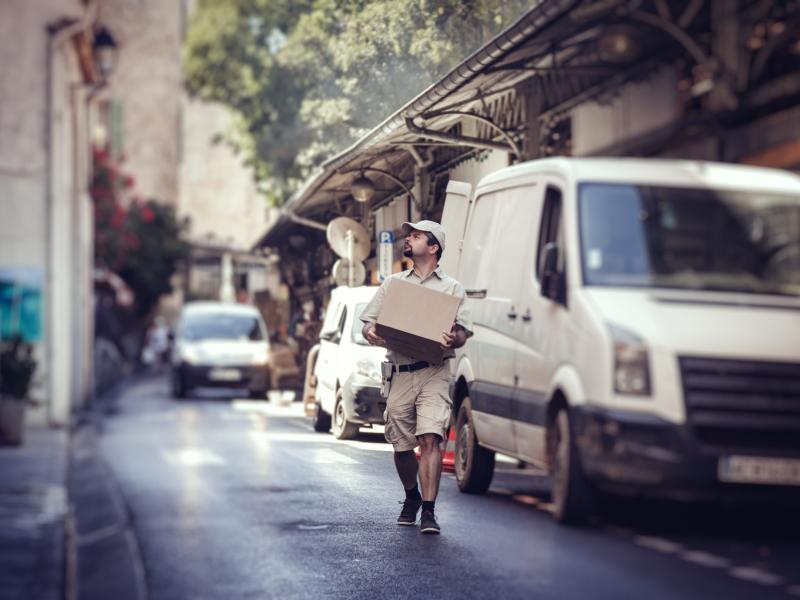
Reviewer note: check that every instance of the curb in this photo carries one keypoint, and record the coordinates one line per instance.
(103, 558)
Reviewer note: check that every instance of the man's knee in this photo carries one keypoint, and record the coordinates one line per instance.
(428, 442)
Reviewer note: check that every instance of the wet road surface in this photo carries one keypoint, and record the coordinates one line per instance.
(241, 499)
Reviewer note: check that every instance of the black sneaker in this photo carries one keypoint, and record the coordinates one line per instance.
(408, 516)
(428, 524)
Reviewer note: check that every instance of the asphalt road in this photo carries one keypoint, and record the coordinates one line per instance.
(241, 499)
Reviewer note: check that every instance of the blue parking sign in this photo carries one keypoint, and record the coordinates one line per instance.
(385, 254)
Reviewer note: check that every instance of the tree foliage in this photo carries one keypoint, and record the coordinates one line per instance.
(308, 77)
(139, 240)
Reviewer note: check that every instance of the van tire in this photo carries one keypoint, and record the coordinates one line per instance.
(474, 463)
(572, 493)
(341, 428)
(321, 420)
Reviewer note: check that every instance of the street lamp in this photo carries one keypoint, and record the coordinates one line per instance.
(362, 188)
(105, 52)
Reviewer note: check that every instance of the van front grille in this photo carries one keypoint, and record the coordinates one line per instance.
(743, 405)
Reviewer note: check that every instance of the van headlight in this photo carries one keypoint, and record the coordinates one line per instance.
(369, 368)
(631, 363)
(261, 357)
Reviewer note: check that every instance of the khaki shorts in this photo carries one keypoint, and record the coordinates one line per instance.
(418, 403)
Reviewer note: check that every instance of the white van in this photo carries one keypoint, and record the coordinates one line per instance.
(637, 327)
(348, 370)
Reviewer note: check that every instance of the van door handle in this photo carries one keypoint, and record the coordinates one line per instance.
(513, 313)
(476, 293)
(527, 316)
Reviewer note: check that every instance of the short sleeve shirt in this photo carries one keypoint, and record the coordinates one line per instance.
(439, 281)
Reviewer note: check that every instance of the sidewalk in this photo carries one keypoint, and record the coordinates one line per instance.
(65, 530)
(33, 514)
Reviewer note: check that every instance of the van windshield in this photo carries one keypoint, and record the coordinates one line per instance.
(699, 239)
(358, 325)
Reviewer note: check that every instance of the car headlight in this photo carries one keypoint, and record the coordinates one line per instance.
(631, 363)
(369, 368)
(261, 357)
(190, 355)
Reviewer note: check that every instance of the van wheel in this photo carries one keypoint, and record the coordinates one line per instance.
(342, 429)
(321, 420)
(474, 463)
(572, 494)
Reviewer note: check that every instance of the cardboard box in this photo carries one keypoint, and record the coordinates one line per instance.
(413, 317)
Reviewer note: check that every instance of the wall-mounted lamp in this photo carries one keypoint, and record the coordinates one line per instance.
(105, 52)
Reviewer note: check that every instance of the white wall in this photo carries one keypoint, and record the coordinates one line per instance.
(148, 82)
(634, 110)
(65, 257)
(217, 191)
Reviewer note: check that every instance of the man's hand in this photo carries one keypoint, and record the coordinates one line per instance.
(372, 338)
(455, 338)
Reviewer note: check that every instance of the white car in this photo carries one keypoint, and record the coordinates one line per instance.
(348, 369)
(636, 328)
(220, 345)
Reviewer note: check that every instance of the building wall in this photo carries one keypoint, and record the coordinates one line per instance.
(147, 85)
(632, 111)
(45, 231)
(217, 192)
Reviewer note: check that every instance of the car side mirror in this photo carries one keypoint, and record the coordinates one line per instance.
(553, 283)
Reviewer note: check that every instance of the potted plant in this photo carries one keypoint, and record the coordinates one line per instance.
(17, 366)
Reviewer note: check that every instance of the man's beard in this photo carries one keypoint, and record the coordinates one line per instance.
(408, 253)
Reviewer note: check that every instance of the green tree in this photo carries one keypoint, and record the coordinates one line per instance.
(307, 78)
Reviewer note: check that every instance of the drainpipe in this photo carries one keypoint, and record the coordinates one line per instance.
(57, 34)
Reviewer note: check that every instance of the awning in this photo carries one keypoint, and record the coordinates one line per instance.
(556, 55)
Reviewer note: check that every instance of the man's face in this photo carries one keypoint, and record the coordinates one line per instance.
(416, 245)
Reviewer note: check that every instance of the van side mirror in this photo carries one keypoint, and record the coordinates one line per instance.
(553, 283)
(330, 336)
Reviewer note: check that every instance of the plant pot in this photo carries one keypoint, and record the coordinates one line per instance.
(12, 421)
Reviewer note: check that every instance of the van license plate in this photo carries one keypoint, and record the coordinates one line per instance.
(224, 375)
(754, 469)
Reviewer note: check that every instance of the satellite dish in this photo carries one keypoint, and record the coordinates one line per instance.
(349, 239)
(348, 274)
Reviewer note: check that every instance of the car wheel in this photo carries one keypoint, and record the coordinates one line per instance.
(321, 420)
(342, 429)
(179, 389)
(571, 492)
(474, 464)
(258, 394)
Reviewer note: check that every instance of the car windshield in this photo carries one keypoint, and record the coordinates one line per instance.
(699, 239)
(358, 325)
(221, 326)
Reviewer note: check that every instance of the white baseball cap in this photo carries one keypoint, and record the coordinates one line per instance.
(430, 226)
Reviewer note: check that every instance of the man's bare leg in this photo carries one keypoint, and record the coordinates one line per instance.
(430, 465)
(407, 468)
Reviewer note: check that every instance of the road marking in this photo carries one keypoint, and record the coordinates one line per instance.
(657, 543)
(705, 559)
(192, 457)
(756, 575)
(312, 527)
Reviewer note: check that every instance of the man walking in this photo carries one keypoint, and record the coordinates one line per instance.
(418, 407)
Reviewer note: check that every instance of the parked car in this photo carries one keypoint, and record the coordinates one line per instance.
(637, 328)
(348, 370)
(220, 345)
